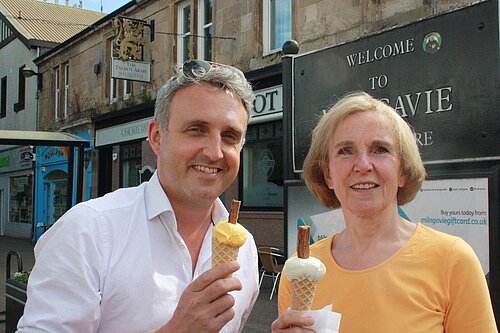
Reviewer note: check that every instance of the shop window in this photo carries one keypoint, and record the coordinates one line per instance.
(56, 192)
(262, 166)
(205, 29)
(184, 31)
(21, 199)
(277, 24)
(131, 158)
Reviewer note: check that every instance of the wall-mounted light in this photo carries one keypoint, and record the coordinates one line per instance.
(28, 72)
(97, 68)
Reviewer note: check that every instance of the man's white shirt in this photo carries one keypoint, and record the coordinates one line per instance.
(118, 264)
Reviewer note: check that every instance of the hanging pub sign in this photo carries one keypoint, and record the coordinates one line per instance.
(440, 74)
(126, 62)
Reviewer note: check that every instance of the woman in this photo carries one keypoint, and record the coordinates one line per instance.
(384, 273)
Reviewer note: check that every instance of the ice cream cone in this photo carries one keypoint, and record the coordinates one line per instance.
(228, 237)
(302, 293)
(303, 272)
(222, 253)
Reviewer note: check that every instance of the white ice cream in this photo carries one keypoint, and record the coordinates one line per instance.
(298, 268)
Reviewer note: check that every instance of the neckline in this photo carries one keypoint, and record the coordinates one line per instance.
(387, 261)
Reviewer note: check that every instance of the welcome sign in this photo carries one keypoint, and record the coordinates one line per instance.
(440, 74)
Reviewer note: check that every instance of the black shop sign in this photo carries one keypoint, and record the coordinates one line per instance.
(440, 74)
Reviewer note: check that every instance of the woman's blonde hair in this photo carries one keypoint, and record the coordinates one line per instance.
(316, 161)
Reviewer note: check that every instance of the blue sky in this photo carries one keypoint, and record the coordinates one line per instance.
(107, 5)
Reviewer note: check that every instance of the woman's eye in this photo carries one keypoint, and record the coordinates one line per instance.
(381, 150)
(344, 151)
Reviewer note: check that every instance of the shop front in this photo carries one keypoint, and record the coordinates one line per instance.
(53, 186)
(260, 182)
(124, 156)
(16, 192)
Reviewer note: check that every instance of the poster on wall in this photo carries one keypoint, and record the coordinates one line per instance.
(455, 206)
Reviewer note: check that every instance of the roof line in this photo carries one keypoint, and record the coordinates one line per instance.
(96, 24)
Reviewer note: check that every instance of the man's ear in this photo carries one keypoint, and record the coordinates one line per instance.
(154, 136)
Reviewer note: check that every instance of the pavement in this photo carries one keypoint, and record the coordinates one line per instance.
(263, 314)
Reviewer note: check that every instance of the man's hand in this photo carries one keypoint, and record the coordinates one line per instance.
(205, 305)
(292, 322)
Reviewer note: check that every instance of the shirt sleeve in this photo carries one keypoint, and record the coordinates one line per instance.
(64, 288)
(470, 307)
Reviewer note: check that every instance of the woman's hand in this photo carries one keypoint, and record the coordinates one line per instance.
(292, 322)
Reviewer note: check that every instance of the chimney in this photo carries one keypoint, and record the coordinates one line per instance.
(56, 2)
(81, 4)
(67, 3)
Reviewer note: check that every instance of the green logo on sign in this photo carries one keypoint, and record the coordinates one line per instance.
(4, 162)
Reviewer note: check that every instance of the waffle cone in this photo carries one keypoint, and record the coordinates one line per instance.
(222, 253)
(302, 293)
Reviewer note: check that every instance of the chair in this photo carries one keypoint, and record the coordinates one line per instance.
(271, 265)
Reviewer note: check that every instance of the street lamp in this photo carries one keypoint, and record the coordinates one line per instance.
(28, 72)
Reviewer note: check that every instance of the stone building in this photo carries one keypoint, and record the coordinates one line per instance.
(247, 34)
(28, 28)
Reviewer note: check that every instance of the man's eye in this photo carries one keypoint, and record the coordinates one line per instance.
(194, 130)
(233, 138)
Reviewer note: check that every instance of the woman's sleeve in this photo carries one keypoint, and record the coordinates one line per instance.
(470, 307)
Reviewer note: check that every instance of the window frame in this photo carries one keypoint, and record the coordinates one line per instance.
(21, 91)
(66, 89)
(3, 97)
(183, 38)
(202, 25)
(267, 20)
(127, 89)
(57, 93)
(113, 90)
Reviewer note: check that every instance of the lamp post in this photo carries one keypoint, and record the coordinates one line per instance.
(27, 73)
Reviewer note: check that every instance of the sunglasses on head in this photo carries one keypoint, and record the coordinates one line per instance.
(191, 68)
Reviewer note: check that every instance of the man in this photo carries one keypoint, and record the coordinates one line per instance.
(138, 259)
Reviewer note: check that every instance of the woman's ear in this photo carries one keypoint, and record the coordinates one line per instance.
(328, 177)
(402, 180)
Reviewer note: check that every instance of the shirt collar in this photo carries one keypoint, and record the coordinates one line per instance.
(157, 202)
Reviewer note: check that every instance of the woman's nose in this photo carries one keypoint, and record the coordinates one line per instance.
(363, 163)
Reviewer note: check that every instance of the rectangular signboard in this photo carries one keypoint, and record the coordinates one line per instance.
(131, 70)
(440, 74)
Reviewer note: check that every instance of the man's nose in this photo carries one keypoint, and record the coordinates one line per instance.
(213, 148)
